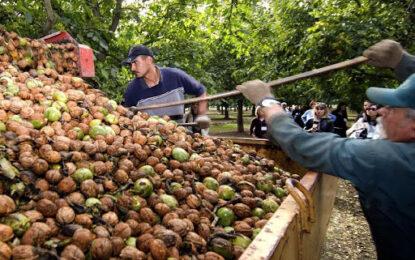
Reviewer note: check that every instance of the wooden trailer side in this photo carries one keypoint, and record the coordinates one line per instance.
(284, 237)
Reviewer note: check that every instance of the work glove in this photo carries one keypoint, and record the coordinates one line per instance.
(255, 90)
(384, 54)
(203, 121)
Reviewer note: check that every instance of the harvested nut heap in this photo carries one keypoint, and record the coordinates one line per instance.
(37, 56)
(84, 178)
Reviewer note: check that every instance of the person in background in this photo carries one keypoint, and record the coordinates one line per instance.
(258, 127)
(296, 114)
(340, 123)
(366, 105)
(320, 121)
(365, 127)
(157, 85)
(308, 114)
(285, 107)
(331, 116)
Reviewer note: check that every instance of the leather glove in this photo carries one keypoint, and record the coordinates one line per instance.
(255, 90)
(203, 121)
(384, 54)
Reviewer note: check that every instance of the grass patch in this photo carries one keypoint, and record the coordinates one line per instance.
(231, 127)
(220, 125)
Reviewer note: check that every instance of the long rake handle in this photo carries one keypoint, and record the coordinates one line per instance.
(273, 83)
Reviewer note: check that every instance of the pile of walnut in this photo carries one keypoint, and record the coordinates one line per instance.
(36, 56)
(83, 177)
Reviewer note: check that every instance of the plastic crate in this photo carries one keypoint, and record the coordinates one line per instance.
(86, 66)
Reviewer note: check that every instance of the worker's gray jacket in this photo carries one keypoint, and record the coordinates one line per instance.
(383, 173)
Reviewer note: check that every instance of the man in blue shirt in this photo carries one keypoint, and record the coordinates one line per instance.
(382, 171)
(157, 85)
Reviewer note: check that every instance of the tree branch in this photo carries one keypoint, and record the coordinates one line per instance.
(116, 16)
(94, 5)
(233, 3)
(51, 17)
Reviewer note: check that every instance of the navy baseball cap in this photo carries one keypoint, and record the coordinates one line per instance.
(403, 96)
(135, 51)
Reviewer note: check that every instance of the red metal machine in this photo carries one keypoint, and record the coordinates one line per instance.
(85, 53)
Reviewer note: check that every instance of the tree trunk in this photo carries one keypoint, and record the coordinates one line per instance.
(240, 116)
(116, 16)
(51, 17)
(253, 110)
(226, 112)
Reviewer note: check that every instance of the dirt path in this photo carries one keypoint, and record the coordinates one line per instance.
(348, 235)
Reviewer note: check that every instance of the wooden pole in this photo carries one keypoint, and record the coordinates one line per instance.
(273, 83)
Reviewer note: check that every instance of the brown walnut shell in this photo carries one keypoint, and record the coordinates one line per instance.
(83, 238)
(143, 242)
(179, 226)
(72, 252)
(241, 210)
(132, 253)
(158, 249)
(169, 237)
(101, 248)
(37, 234)
(193, 201)
(147, 215)
(243, 228)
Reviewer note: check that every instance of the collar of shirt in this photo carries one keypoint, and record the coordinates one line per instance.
(159, 78)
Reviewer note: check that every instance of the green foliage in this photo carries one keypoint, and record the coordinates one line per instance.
(224, 43)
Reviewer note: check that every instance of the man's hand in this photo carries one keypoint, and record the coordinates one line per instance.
(255, 90)
(203, 122)
(384, 54)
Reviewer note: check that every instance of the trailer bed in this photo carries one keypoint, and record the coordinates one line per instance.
(286, 236)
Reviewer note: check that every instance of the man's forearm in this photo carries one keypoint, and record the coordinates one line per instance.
(323, 152)
(310, 150)
(203, 105)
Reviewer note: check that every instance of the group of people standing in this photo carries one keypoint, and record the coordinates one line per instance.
(319, 118)
(368, 123)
